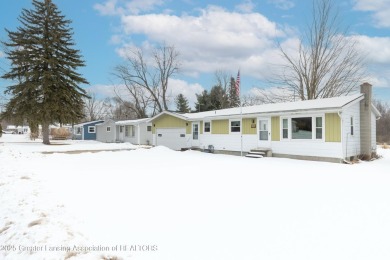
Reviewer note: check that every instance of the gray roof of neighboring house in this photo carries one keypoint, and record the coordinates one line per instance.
(132, 122)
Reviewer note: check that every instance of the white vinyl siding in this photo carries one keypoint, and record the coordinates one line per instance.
(351, 143)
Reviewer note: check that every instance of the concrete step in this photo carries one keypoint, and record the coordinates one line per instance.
(256, 152)
(250, 155)
(266, 152)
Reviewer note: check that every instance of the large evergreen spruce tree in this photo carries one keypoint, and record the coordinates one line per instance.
(43, 68)
(182, 104)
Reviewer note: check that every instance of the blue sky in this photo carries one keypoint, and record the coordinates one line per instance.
(210, 35)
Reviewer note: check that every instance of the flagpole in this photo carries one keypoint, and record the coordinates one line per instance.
(238, 83)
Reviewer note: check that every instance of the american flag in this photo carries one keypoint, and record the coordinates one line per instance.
(237, 86)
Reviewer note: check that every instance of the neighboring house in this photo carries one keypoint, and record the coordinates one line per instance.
(137, 131)
(331, 129)
(107, 132)
(86, 131)
(18, 129)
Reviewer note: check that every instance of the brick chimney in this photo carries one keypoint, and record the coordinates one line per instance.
(365, 121)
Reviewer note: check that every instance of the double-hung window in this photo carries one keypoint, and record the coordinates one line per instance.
(351, 125)
(235, 126)
(318, 127)
(207, 127)
(108, 129)
(91, 129)
(285, 128)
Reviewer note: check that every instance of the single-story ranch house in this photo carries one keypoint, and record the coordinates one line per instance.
(331, 129)
(137, 131)
(86, 130)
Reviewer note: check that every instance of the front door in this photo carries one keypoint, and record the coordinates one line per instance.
(264, 134)
(195, 134)
(121, 133)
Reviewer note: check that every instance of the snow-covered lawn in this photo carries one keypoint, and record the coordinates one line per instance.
(161, 204)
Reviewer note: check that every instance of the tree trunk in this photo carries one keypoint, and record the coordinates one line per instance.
(45, 133)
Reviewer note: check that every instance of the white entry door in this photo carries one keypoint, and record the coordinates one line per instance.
(264, 133)
(195, 134)
(121, 135)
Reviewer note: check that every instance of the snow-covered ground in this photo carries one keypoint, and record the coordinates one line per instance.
(161, 204)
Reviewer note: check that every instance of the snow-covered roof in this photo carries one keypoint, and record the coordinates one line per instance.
(316, 104)
(335, 103)
(87, 123)
(132, 122)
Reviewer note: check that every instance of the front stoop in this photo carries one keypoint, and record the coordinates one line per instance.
(259, 153)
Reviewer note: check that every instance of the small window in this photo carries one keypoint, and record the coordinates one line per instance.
(108, 128)
(235, 126)
(121, 129)
(318, 127)
(301, 128)
(91, 129)
(78, 131)
(149, 128)
(207, 127)
(351, 125)
(285, 128)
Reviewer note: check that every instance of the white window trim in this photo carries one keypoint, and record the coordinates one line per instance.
(313, 122)
(288, 128)
(89, 129)
(230, 126)
(108, 128)
(204, 127)
(314, 126)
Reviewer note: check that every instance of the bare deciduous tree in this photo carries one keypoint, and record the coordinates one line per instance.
(327, 63)
(166, 58)
(146, 83)
(383, 124)
(95, 109)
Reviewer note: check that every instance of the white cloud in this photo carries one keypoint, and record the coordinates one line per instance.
(177, 86)
(377, 49)
(109, 8)
(246, 7)
(282, 4)
(122, 7)
(377, 58)
(2, 54)
(379, 8)
(102, 91)
(214, 40)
